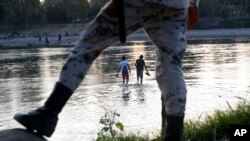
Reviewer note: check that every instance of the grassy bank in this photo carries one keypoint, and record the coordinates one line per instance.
(212, 128)
(216, 127)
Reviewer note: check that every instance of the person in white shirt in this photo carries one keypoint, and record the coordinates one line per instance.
(165, 23)
(125, 69)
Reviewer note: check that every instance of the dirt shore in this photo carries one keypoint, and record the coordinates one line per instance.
(193, 36)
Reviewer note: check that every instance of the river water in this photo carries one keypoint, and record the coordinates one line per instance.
(216, 75)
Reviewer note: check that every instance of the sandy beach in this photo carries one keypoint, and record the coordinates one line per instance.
(193, 36)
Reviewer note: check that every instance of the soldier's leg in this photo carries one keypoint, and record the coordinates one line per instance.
(168, 35)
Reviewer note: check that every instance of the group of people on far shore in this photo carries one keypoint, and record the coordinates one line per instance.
(47, 38)
(125, 69)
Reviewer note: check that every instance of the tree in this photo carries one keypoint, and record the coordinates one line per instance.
(213, 8)
(2, 13)
(12, 14)
(76, 9)
(58, 11)
(247, 4)
(30, 10)
(20, 12)
(95, 6)
(54, 11)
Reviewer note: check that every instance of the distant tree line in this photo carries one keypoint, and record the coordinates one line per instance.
(29, 12)
(23, 13)
(224, 8)
(224, 14)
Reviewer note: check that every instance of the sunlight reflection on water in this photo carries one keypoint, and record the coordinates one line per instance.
(215, 74)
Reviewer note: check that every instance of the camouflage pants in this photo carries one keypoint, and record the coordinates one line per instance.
(165, 26)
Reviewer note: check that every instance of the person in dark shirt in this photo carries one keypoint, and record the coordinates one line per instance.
(140, 65)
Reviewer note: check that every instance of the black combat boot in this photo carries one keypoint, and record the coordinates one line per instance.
(173, 130)
(44, 119)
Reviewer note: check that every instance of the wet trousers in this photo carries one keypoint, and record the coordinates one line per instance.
(165, 26)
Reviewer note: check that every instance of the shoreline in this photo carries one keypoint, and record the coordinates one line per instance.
(212, 36)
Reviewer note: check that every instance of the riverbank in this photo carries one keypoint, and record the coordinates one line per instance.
(214, 128)
(241, 35)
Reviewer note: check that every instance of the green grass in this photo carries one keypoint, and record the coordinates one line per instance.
(214, 127)
(130, 137)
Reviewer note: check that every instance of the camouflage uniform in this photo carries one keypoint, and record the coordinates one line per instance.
(164, 22)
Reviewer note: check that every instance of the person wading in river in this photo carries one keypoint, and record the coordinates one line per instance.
(125, 69)
(164, 21)
(140, 65)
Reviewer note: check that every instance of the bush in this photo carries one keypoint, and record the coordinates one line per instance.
(111, 126)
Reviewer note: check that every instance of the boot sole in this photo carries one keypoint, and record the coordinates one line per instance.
(40, 128)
